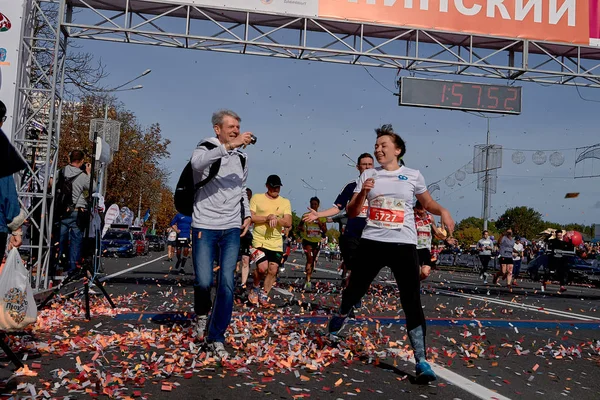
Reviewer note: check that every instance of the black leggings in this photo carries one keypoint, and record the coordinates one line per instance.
(485, 260)
(561, 266)
(402, 259)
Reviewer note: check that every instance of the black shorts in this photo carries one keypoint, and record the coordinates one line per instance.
(183, 242)
(306, 243)
(271, 256)
(172, 243)
(425, 257)
(245, 244)
(348, 247)
(506, 260)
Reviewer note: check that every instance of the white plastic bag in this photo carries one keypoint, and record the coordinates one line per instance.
(17, 305)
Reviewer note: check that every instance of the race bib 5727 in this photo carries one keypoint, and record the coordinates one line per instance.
(386, 212)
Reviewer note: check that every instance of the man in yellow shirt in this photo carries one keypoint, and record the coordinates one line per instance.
(270, 212)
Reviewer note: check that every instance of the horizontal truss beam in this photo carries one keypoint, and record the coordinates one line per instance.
(314, 39)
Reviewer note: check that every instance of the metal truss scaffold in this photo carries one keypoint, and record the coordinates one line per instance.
(36, 128)
(188, 26)
(48, 24)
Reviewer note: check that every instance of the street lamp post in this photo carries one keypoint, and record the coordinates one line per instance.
(102, 180)
(309, 186)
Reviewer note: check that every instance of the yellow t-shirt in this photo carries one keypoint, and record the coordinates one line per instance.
(312, 231)
(263, 235)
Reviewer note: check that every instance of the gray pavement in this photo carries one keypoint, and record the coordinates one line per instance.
(487, 342)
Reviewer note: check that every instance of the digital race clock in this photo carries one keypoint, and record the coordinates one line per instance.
(423, 92)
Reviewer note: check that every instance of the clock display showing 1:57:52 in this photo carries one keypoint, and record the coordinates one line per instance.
(422, 92)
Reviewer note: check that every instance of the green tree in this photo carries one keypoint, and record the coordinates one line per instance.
(468, 236)
(333, 234)
(137, 166)
(471, 222)
(524, 221)
(552, 225)
(474, 222)
(295, 222)
(583, 229)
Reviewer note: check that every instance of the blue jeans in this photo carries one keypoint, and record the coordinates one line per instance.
(71, 235)
(207, 245)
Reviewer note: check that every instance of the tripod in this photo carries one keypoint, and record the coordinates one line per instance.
(85, 272)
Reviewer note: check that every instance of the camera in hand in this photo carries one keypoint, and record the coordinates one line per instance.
(252, 139)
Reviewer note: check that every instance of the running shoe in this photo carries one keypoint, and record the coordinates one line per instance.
(217, 350)
(263, 298)
(424, 373)
(351, 314)
(254, 295)
(336, 324)
(308, 286)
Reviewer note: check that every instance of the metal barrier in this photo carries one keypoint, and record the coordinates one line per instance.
(465, 260)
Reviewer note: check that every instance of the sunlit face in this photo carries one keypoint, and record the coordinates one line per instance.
(314, 205)
(486, 234)
(228, 130)
(273, 191)
(386, 151)
(364, 164)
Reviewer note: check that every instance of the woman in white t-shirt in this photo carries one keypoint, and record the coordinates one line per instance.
(171, 243)
(390, 238)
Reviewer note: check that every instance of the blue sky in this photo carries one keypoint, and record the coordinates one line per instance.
(307, 114)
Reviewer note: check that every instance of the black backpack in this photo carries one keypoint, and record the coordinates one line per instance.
(63, 197)
(185, 191)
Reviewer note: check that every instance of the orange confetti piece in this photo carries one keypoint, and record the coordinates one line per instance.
(339, 382)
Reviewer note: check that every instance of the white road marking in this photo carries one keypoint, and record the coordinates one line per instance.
(463, 383)
(543, 310)
(283, 291)
(329, 271)
(130, 269)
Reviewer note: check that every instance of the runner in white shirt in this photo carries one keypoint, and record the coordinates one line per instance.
(425, 225)
(517, 256)
(390, 238)
(171, 243)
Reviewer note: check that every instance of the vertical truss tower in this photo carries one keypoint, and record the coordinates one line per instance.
(36, 129)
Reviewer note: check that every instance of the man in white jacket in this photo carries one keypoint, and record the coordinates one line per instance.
(217, 225)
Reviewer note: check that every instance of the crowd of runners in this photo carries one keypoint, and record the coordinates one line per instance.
(389, 224)
(237, 235)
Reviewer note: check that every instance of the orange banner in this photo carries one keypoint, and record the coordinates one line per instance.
(566, 21)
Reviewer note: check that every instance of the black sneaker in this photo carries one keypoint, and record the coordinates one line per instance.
(351, 314)
(336, 324)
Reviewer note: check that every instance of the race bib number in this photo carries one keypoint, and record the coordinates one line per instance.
(423, 233)
(364, 210)
(423, 238)
(313, 231)
(386, 213)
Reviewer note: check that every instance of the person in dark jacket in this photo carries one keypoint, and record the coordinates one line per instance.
(11, 214)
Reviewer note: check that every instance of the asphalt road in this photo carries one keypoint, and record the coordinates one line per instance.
(486, 341)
